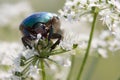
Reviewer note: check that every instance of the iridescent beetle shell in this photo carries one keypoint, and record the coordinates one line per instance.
(42, 17)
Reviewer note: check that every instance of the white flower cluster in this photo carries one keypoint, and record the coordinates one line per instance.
(28, 61)
(109, 12)
(8, 52)
(71, 38)
(27, 54)
(102, 44)
(105, 43)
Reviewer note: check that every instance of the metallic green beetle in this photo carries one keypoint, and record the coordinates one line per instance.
(45, 23)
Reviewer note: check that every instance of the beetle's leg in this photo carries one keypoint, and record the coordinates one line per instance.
(50, 34)
(26, 41)
(55, 36)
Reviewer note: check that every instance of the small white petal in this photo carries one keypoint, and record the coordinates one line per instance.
(102, 52)
(39, 36)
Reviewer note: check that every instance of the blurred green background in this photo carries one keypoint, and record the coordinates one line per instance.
(97, 68)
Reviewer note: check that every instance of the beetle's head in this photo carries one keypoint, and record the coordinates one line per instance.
(39, 28)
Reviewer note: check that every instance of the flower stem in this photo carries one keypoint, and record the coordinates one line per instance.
(71, 68)
(88, 2)
(107, 1)
(88, 47)
(43, 70)
(100, 1)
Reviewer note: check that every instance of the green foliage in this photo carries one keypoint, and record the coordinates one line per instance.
(75, 46)
(18, 74)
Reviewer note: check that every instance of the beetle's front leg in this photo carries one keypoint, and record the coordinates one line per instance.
(26, 41)
(56, 36)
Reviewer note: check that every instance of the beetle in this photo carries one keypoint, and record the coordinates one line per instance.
(45, 23)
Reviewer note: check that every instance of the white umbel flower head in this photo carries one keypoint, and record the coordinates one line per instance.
(108, 10)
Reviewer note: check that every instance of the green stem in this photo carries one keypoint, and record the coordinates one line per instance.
(88, 48)
(100, 1)
(71, 68)
(25, 70)
(43, 70)
(29, 60)
(107, 1)
(88, 2)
